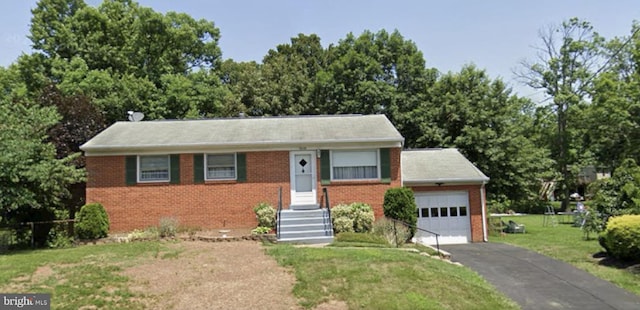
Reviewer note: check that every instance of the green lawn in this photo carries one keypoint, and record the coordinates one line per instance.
(566, 243)
(385, 278)
(86, 275)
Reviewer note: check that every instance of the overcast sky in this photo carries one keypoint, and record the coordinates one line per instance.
(493, 35)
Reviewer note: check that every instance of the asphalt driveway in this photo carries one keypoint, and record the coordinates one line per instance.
(536, 281)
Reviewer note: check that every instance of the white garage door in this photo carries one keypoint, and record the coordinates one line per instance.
(445, 213)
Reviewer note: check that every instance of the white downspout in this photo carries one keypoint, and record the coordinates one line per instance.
(484, 213)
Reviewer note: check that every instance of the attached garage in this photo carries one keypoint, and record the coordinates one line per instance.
(445, 212)
(449, 193)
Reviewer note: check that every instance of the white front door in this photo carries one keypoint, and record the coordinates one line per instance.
(303, 177)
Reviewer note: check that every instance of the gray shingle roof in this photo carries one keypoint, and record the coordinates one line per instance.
(269, 133)
(430, 166)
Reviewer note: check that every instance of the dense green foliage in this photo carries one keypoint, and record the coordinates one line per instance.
(266, 215)
(622, 237)
(93, 64)
(92, 222)
(356, 217)
(619, 194)
(400, 204)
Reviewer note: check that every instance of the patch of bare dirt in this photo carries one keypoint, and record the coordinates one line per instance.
(222, 275)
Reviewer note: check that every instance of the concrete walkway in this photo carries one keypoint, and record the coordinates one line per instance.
(536, 281)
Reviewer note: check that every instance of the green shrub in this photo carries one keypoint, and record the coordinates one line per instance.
(394, 233)
(363, 217)
(92, 222)
(168, 227)
(342, 224)
(266, 215)
(622, 237)
(400, 204)
(356, 217)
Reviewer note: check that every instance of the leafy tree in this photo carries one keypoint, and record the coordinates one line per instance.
(481, 118)
(34, 182)
(377, 73)
(567, 63)
(621, 193)
(126, 57)
(80, 121)
(289, 72)
(244, 83)
(613, 133)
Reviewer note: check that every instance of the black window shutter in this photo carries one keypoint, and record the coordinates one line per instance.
(131, 170)
(198, 168)
(385, 166)
(174, 163)
(325, 167)
(241, 163)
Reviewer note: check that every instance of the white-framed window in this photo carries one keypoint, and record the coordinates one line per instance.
(355, 165)
(153, 168)
(220, 166)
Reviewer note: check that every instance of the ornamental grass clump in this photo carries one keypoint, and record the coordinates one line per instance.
(168, 227)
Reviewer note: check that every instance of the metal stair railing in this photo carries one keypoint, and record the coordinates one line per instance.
(279, 212)
(325, 197)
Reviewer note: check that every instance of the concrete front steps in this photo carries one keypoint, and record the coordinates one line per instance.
(305, 224)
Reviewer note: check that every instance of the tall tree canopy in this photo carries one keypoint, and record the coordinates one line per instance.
(376, 73)
(126, 57)
(568, 60)
(490, 126)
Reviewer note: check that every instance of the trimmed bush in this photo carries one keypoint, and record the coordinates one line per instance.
(342, 224)
(266, 215)
(92, 222)
(355, 217)
(400, 204)
(622, 237)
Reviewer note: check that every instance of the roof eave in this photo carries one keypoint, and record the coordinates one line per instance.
(447, 181)
(91, 150)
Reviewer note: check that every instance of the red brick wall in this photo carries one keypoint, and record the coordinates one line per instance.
(475, 205)
(213, 204)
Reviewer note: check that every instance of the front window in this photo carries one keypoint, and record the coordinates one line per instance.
(354, 165)
(221, 167)
(153, 168)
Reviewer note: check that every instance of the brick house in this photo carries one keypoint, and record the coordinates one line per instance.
(211, 173)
